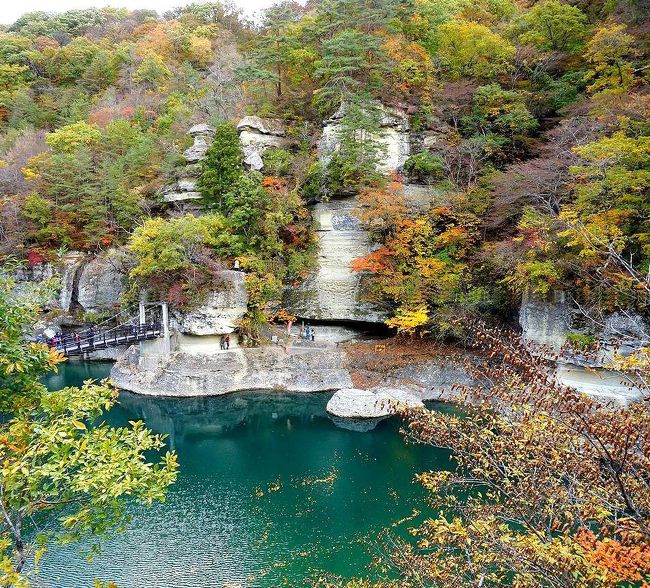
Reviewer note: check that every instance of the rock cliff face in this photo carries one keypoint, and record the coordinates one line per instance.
(101, 281)
(63, 271)
(625, 333)
(257, 134)
(333, 292)
(221, 311)
(393, 135)
(68, 270)
(545, 322)
(183, 188)
(86, 283)
(264, 368)
(548, 322)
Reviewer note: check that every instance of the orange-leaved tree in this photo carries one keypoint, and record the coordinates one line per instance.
(549, 488)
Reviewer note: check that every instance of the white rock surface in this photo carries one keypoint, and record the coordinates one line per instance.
(607, 386)
(197, 151)
(187, 184)
(333, 291)
(437, 378)
(419, 196)
(184, 188)
(100, 282)
(201, 129)
(264, 126)
(625, 333)
(545, 322)
(254, 161)
(220, 313)
(393, 135)
(257, 134)
(67, 270)
(239, 369)
(181, 196)
(379, 402)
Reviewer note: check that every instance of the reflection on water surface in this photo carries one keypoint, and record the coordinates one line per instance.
(269, 489)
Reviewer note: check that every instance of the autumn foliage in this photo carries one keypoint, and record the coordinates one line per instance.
(548, 488)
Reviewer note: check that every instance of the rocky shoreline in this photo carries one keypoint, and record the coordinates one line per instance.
(213, 374)
(358, 392)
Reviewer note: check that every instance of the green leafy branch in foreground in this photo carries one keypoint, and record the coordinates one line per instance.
(64, 474)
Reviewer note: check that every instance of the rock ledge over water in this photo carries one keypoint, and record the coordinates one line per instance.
(236, 370)
(376, 403)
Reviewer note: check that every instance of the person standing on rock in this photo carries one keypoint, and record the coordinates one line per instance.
(313, 334)
(227, 341)
(222, 342)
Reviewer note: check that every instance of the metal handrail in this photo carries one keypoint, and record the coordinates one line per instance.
(75, 343)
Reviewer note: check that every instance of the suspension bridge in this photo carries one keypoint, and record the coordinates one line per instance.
(125, 331)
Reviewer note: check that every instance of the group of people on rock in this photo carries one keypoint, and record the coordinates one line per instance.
(224, 342)
(307, 333)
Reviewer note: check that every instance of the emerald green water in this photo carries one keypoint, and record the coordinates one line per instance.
(270, 492)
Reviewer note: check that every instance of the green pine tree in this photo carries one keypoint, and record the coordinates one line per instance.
(221, 170)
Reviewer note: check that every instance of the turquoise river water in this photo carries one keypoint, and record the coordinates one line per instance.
(270, 493)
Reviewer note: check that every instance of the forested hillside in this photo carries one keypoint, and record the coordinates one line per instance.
(528, 123)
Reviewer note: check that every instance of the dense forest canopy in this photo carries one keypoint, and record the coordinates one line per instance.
(529, 136)
(528, 124)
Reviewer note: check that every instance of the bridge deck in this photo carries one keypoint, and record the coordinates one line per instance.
(88, 341)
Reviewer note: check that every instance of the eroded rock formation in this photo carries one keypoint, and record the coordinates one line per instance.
(220, 313)
(183, 188)
(332, 293)
(258, 134)
(264, 368)
(393, 137)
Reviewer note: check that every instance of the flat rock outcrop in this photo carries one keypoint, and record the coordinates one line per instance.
(375, 403)
(438, 379)
(221, 311)
(236, 370)
(257, 134)
(606, 386)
